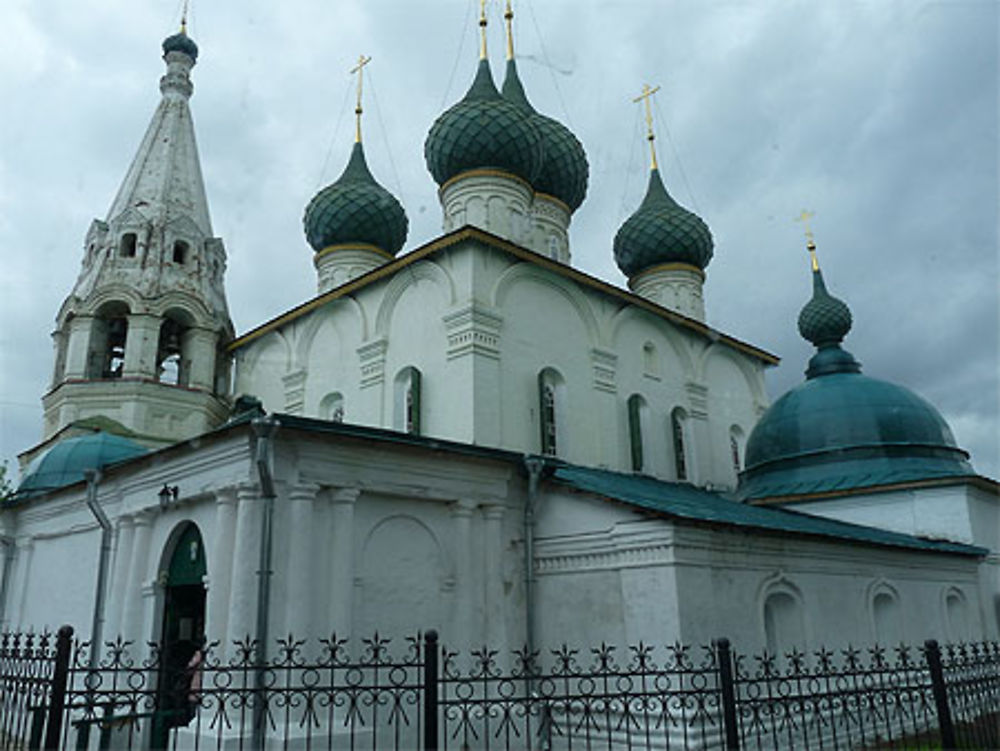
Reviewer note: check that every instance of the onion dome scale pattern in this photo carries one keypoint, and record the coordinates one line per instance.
(181, 43)
(661, 231)
(355, 210)
(483, 131)
(564, 170)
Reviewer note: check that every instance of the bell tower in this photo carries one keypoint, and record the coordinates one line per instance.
(140, 340)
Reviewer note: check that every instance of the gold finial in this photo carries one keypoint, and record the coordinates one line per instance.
(804, 217)
(184, 18)
(360, 70)
(482, 29)
(508, 16)
(645, 96)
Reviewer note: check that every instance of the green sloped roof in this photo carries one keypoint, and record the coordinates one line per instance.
(64, 463)
(684, 501)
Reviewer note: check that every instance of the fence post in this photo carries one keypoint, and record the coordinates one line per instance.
(933, 654)
(57, 691)
(727, 687)
(431, 691)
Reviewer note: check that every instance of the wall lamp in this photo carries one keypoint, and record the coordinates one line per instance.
(167, 496)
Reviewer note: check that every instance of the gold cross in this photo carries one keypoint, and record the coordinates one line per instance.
(804, 217)
(184, 17)
(508, 16)
(646, 96)
(360, 70)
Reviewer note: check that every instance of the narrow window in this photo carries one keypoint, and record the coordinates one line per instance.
(114, 354)
(332, 407)
(783, 626)
(635, 430)
(547, 412)
(888, 625)
(650, 365)
(180, 251)
(680, 456)
(170, 363)
(126, 248)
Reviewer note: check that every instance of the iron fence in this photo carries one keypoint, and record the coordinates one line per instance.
(418, 694)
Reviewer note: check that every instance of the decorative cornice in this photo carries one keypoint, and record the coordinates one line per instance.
(605, 368)
(473, 330)
(372, 356)
(295, 390)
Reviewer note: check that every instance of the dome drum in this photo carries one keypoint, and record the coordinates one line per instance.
(495, 201)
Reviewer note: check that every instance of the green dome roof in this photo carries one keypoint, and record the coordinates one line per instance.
(841, 429)
(483, 130)
(564, 169)
(63, 464)
(181, 43)
(355, 209)
(661, 231)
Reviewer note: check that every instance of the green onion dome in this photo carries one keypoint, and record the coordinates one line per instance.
(483, 130)
(661, 231)
(64, 463)
(841, 429)
(181, 43)
(355, 210)
(564, 169)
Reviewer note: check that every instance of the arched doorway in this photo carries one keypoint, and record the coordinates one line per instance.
(182, 632)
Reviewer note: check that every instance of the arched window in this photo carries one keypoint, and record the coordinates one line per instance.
(550, 394)
(636, 408)
(106, 354)
(783, 625)
(678, 434)
(887, 619)
(181, 249)
(408, 401)
(956, 615)
(171, 367)
(650, 362)
(126, 247)
(736, 448)
(331, 407)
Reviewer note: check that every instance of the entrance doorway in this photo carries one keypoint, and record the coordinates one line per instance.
(183, 633)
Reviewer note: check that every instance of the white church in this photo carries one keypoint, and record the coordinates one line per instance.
(471, 435)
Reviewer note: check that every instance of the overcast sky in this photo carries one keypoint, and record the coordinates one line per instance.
(879, 116)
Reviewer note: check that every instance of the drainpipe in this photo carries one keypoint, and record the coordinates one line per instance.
(534, 465)
(263, 429)
(93, 476)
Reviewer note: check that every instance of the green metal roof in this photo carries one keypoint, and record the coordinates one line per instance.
(661, 231)
(64, 463)
(355, 209)
(684, 501)
(181, 43)
(483, 130)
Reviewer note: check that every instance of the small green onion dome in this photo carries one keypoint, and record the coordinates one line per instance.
(841, 429)
(355, 210)
(483, 130)
(64, 463)
(661, 231)
(181, 43)
(564, 169)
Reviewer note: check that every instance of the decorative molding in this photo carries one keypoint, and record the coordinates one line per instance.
(295, 390)
(605, 365)
(473, 330)
(372, 357)
(697, 400)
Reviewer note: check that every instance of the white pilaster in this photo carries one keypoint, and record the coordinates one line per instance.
(495, 613)
(341, 612)
(246, 556)
(119, 578)
(300, 583)
(199, 351)
(141, 343)
(132, 615)
(466, 599)
(220, 567)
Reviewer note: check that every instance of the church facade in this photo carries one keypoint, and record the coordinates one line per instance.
(473, 436)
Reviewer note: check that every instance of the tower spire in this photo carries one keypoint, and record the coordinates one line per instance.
(508, 17)
(184, 17)
(360, 70)
(645, 97)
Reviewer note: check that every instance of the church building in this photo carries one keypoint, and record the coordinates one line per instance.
(471, 435)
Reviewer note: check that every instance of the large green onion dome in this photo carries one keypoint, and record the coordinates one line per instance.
(64, 463)
(355, 211)
(564, 169)
(181, 43)
(661, 231)
(841, 429)
(483, 131)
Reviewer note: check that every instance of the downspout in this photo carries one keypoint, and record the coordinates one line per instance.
(93, 476)
(534, 465)
(263, 429)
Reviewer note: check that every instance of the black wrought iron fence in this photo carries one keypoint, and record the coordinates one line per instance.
(417, 694)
